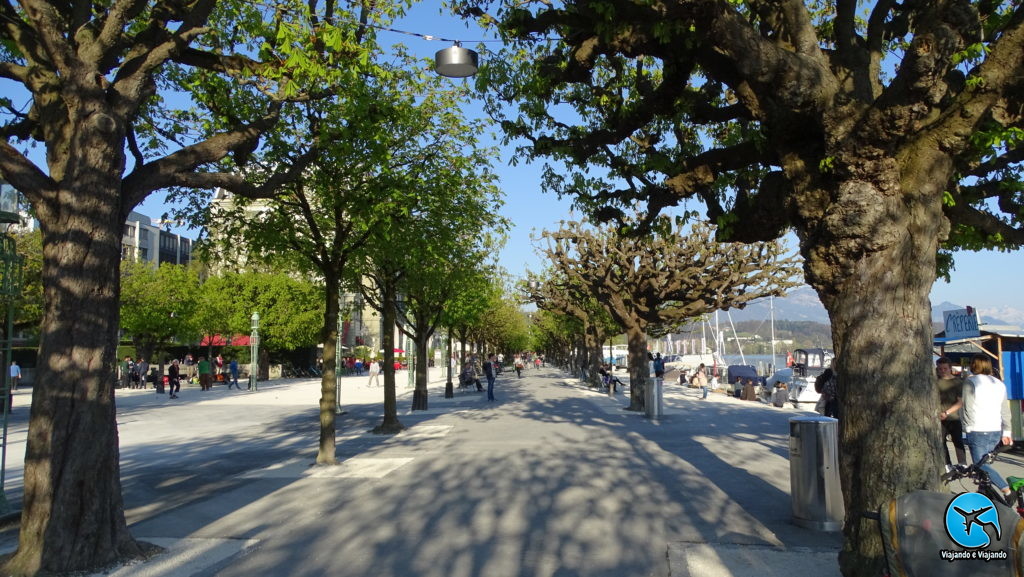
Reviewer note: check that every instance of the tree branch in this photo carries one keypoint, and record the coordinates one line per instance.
(167, 171)
(23, 175)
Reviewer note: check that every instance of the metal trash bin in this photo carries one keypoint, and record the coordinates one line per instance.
(814, 473)
(652, 398)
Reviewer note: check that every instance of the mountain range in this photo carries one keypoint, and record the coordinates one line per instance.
(802, 304)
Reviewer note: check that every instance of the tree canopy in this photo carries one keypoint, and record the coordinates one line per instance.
(128, 98)
(883, 134)
(657, 282)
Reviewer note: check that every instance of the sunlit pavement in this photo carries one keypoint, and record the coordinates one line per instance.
(552, 479)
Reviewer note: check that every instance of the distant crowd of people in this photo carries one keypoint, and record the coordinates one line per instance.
(138, 374)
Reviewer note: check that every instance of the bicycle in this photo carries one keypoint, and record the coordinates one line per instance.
(919, 538)
(985, 486)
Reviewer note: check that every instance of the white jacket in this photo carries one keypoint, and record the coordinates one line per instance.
(985, 408)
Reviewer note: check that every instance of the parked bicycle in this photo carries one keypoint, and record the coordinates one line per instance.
(980, 477)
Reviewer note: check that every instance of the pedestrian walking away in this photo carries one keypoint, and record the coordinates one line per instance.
(659, 366)
(233, 371)
(142, 369)
(985, 417)
(490, 371)
(173, 379)
(15, 374)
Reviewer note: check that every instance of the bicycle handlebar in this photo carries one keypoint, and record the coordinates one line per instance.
(974, 470)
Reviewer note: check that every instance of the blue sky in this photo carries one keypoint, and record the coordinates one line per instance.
(984, 280)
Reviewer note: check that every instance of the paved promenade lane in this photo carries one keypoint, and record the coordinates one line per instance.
(553, 479)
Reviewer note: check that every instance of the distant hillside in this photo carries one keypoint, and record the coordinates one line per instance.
(756, 335)
(801, 304)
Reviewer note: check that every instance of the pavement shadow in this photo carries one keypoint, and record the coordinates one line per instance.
(542, 485)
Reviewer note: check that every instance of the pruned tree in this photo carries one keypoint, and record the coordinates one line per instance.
(665, 278)
(560, 293)
(885, 134)
(128, 98)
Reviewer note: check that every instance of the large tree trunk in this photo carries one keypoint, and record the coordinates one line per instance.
(328, 383)
(419, 395)
(636, 343)
(390, 425)
(73, 515)
(594, 342)
(874, 272)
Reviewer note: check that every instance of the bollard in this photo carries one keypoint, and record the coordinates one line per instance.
(652, 398)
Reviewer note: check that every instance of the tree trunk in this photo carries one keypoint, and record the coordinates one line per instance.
(73, 516)
(594, 355)
(636, 342)
(390, 425)
(887, 392)
(326, 452)
(419, 395)
(874, 278)
(263, 366)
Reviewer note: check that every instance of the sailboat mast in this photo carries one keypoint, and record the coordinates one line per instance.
(771, 307)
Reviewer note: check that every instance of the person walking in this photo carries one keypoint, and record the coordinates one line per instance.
(659, 366)
(827, 383)
(142, 369)
(985, 417)
(233, 371)
(700, 378)
(951, 388)
(490, 371)
(205, 374)
(173, 379)
(15, 375)
(374, 371)
(519, 367)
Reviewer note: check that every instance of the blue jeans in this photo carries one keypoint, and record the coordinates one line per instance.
(979, 443)
(490, 387)
(704, 392)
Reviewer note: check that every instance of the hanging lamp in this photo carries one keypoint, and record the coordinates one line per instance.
(456, 61)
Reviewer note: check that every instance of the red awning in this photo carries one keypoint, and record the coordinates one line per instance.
(220, 341)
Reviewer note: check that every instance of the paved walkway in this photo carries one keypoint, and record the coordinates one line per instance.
(552, 480)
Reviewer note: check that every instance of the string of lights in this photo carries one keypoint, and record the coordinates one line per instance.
(427, 36)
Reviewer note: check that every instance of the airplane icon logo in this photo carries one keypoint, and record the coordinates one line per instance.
(968, 518)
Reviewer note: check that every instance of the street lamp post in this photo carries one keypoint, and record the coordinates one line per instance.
(343, 306)
(10, 287)
(449, 387)
(254, 352)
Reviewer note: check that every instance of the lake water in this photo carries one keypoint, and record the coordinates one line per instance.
(763, 363)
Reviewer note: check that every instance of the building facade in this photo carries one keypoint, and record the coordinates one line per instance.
(145, 241)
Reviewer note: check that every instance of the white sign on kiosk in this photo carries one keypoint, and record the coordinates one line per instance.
(961, 323)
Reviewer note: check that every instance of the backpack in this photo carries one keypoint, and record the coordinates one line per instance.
(820, 380)
(918, 544)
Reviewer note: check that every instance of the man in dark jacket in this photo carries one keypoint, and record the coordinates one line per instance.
(490, 371)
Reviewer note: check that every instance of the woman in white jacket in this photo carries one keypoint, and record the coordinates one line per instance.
(985, 416)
